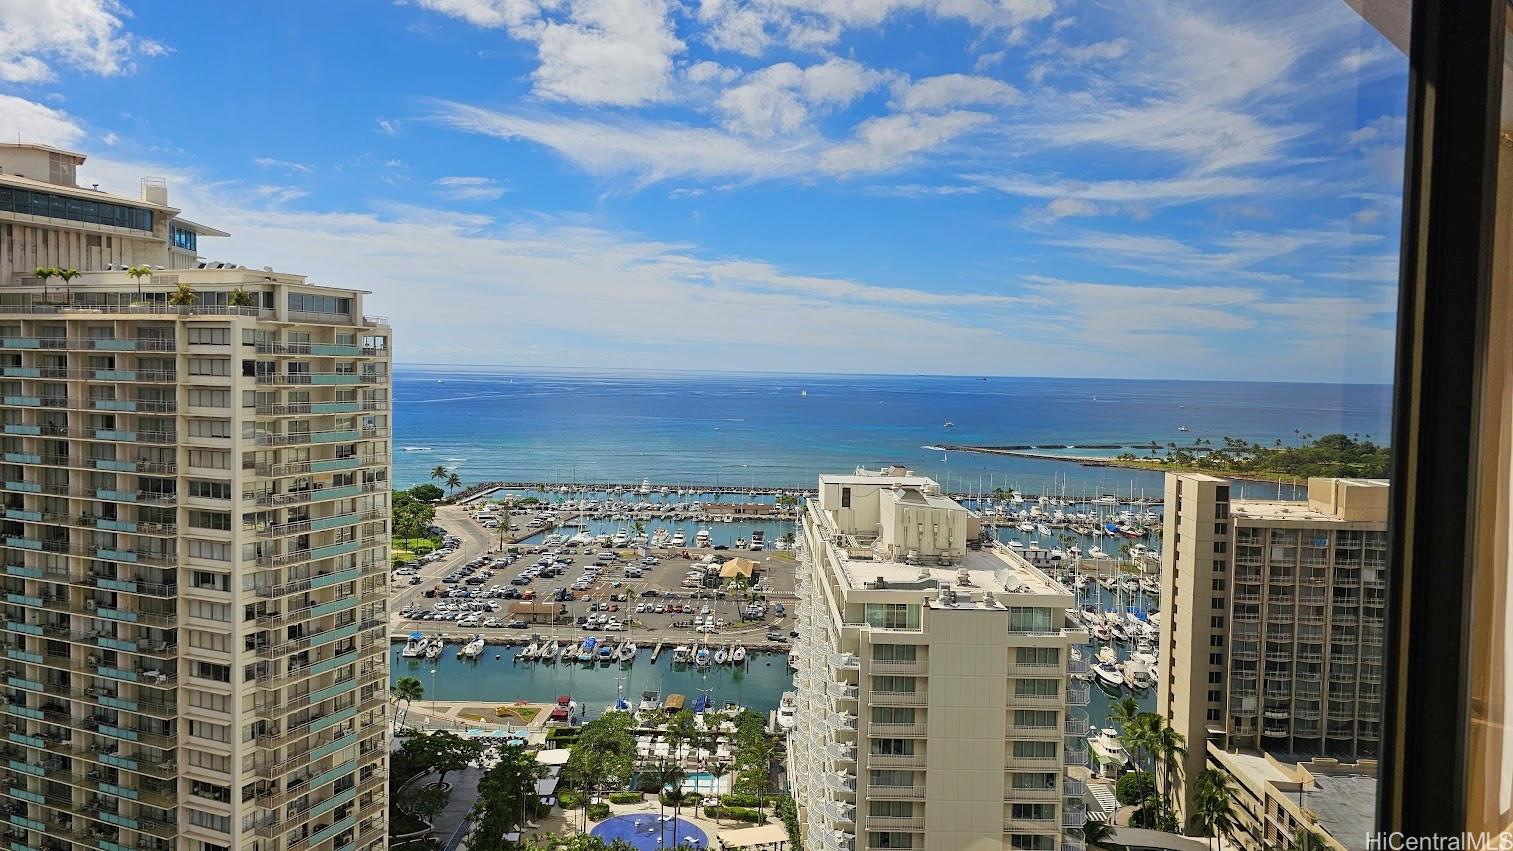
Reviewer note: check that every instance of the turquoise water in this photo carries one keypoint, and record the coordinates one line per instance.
(783, 430)
(649, 833)
(758, 685)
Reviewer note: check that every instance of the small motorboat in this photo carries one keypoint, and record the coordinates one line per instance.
(719, 656)
(415, 647)
(627, 652)
(569, 652)
(1108, 675)
(586, 649)
(738, 655)
(531, 652)
(605, 653)
(1137, 675)
(473, 649)
(680, 655)
(787, 714)
(433, 652)
(550, 651)
(701, 657)
(651, 701)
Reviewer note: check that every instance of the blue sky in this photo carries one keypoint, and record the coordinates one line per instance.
(1039, 187)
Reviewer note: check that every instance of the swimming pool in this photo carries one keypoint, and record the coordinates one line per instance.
(650, 832)
(705, 783)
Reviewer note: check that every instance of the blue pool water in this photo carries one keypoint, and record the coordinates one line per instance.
(649, 833)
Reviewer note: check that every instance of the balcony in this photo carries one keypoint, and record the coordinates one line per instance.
(897, 698)
(322, 378)
(300, 438)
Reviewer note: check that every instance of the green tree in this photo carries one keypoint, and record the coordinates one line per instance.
(1097, 833)
(454, 481)
(1134, 788)
(426, 492)
(426, 801)
(183, 296)
(1306, 840)
(1213, 805)
(408, 689)
(46, 273)
(1167, 747)
(681, 730)
(239, 297)
(439, 472)
(68, 276)
(442, 752)
(137, 273)
(506, 800)
(411, 518)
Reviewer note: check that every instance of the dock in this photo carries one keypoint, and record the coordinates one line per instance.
(655, 652)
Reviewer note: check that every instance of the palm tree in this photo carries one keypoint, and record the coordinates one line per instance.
(1306, 840)
(45, 272)
(68, 275)
(717, 771)
(239, 297)
(137, 273)
(1095, 833)
(408, 689)
(183, 296)
(440, 472)
(1167, 746)
(1213, 804)
(454, 481)
(1123, 714)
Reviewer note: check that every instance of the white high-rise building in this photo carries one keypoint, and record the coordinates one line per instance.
(195, 536)
(935, 709)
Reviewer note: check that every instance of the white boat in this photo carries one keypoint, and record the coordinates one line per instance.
(701, 657)
(627, 652)
(586, 650)
(1137, 675)
(758, 540)
(413, 648)
(645, 488)
(621, 538)
(550, 651)
(738, 655)
(473, 649)
(433, 652)
(701, 538)
(680, 655)
(1108, 675)
(1110, 751)
(568, 652)
(787, 714)
(531, 651)
(1096, 552)
(651, 701)
(719, 656)
(678, 541)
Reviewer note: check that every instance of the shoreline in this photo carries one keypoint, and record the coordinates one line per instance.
(1120, 463)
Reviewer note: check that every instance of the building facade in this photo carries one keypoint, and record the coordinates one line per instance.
(195, 542)
(1272, 635)
(934, 707)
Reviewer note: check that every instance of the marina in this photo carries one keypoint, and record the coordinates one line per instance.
(496, 677)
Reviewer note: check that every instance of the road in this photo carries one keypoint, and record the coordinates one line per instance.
(475, 542)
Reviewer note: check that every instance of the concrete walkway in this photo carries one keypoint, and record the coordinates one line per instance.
(451, 824)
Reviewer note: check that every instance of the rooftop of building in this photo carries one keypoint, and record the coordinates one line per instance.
(997, 570)
(1330, 500)
(1345, 805)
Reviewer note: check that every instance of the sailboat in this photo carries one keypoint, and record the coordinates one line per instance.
(701, 657)
(738, 655)
(627, 652)
(550, 651)
(433, 652)
(473, 649)
(719, 656)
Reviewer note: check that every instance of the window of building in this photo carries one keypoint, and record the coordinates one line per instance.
(1036, 687)
(845, 497)
(889, 839)
(209, 335)
(201, 789)
(1036, 718)
(208, 550)
(209, 730)
(893, 684)
(209, 821)
(1029, 619)
(889, 777)
(210, 428)
(1032, 812)
(894, 652)
(210, 366)
(1032, 780)
(209, 398)
(1037, 657)
(891, 615)
(890, 809)
(891, 747)
(209, 671)
(313, 303)
(892, 715)
(1033, 749)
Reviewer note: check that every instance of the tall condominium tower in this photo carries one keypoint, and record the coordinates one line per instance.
(195, 484)
(1271, 639)
(934, 707)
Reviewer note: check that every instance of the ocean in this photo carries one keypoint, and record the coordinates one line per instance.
(754, 430)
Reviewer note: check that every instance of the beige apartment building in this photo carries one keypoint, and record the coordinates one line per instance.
(934, 707)
(1272, 636)
(195, 537)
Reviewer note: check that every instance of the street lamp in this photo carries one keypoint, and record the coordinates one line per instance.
(433, 692)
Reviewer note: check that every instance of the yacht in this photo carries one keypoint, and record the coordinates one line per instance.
(701, 539)
(415, 647)
(1137, 675)
(530, 653)
(738, 655)
(1096, 552)
(1110, 751)
(621, 538)
(1108, 675)
(651, 701)
(645, 488)
(680, 655)
(473, 649)
(678, 541)
(758, 540)
(787, 711)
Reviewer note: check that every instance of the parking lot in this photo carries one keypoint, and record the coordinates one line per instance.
(559, 589)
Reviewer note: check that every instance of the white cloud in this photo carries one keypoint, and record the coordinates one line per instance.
(599, 52)
(470, 188)
(34, 122)
(1065, 207)
(948, 91)
(1156, 191)
(989, 60)
(779, 99)
(1098, 51)
(1356, 59)
(284, 165)
(751, 27)
(889, 141)
(38, 37)
(652, 151)
(710, 72)
(387, 126)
